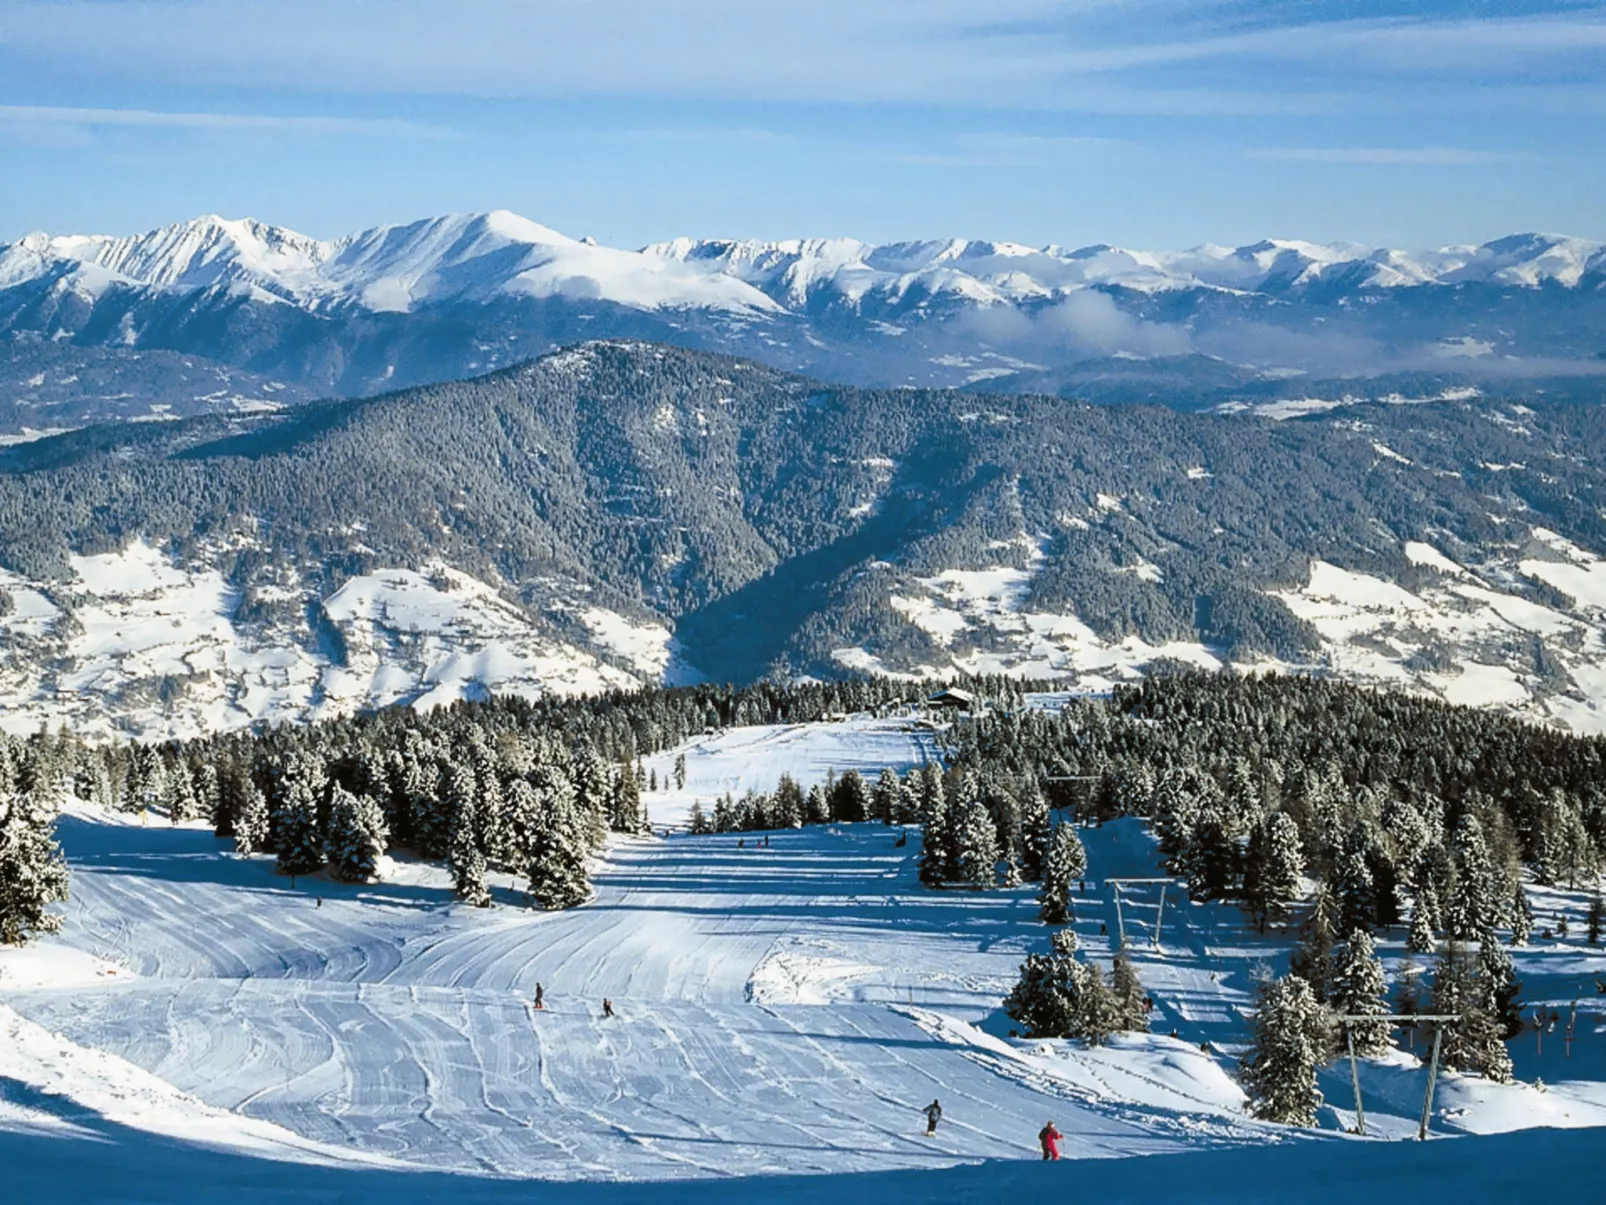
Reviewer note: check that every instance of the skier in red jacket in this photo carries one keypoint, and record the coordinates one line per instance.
(1050, 1138)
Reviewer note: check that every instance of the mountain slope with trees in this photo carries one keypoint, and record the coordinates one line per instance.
(776, 524)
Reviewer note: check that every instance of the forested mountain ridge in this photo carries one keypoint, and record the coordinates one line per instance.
(550, 525)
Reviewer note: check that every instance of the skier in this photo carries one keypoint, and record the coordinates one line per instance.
(933, 1116)
(1049, 1137)
(607, 1007)
(540, 998)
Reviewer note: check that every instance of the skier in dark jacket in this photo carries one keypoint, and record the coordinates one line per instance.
(540, 998)
(1050, 1139)
(933, 1116)
(607, 1007)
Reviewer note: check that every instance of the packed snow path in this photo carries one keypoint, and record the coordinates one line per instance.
(387, 1022)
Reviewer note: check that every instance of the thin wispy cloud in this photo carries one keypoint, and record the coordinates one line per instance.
(81, 118)
(1028, 53)
(1427, 156)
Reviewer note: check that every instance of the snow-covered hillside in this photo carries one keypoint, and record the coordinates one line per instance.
(1465, 635)
(139, 644)
(785, 1010)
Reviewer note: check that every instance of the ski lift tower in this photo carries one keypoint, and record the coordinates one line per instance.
(1120, 923)
(1440, 1020)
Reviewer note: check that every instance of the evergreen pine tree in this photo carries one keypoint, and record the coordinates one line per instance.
(698, 822)
(465, 858)
(1594, 918)
(251, 817)
(1067, 863)
(1273, 864)
(557, 857)
(1036, 833)
(1520, 916)
(1355, 889)
(934, 856)
(294, 821)
(1290, 1042)
(977, 853)
(357, 836)
(1420, 939)
(815, 810)
(884, 797)
(1471, 908)
(1131, 1001)
(1502, 990)
(1313, 960)
(33, 873)
(1211, 858)
(1359, 990)
(850, 799)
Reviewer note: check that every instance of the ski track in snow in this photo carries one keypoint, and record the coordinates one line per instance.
(389, 1022)
(787, 1009)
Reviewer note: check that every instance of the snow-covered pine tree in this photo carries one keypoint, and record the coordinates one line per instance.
(1471, 908)
(558, 856)
(1359, 989)
(357, 836)
(1036, 832)
(465, 859)
(884, 796)
(250, 817)
(1460, 985)
(294, 822)
(790, 801)
(1273, 865)
(626, 815)
(698, 821)
(33, 873)
(1131, 1001)
(1520, 915)
(1043, 1000)
(523, 819)
(1595, 918)
(1291, 1039)
(1420, 939)
(1060, 996)
(815, 810)
(1179, 795)
(977, 853)
(1312, 961)
(1067, 863)
(182, 805)
(680, 771)
(208, 789)
(934, 855)
(496, 836)
(1210, 860)
(850, 800)
(1502, 990)
(1354, 888)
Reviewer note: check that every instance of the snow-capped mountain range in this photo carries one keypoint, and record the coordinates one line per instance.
(271, 314)
(477, 257)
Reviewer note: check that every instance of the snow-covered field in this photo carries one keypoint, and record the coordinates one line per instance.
(1468, 635)
(148, 646)
(785, 1012)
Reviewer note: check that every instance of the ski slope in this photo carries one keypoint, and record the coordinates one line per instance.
(785, 1011)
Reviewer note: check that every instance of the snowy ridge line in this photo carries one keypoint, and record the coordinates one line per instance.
(478, 257)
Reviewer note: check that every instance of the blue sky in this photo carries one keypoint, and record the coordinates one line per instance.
(1142, 122)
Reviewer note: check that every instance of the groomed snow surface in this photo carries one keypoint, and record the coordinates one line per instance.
(201, 1031)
